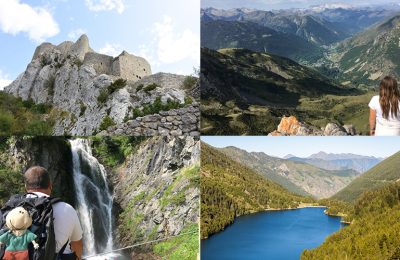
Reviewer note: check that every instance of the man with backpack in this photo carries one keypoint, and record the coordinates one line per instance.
(55, 223)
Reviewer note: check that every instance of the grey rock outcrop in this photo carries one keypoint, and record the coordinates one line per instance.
(78, 83)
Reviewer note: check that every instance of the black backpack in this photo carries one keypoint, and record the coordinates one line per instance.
(41, 210)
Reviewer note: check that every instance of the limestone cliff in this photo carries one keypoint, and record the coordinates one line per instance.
(90, 92)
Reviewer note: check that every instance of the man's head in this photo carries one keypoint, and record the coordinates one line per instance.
(37, 179)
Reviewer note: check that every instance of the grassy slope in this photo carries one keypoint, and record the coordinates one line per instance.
(229, 189)
(185, 247)
(385, 172)
(19, 117)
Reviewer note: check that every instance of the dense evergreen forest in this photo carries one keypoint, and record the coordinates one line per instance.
(229, 190)
(374, 232)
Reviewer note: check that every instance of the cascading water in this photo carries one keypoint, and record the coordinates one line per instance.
(94, 199)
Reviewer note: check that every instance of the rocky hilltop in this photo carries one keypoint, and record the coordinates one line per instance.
(291, 126)
(90, 92)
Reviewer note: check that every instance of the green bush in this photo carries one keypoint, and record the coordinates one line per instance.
(106, 123)
(139, 88)
(150, 87)
(189, 82)
(77, 62)
(50, 84)
(155, 108)
(41, 128)
(102, 98)
(11, 182)
(118, 84)
(18, 117)
(6, 123)
(83, 109)
(41, 108)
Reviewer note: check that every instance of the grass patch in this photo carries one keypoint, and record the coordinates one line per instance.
(181, 247)
(178, 197)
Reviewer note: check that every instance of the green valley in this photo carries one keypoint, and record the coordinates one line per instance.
(259, 88)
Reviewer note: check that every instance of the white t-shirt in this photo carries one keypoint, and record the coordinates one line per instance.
(66, 224)
(391, 122)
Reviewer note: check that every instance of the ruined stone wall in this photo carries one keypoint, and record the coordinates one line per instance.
(164, 80)
(175, 122)
(100, 62)
(130, 67)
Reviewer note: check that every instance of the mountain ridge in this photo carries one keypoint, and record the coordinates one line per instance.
(298, 177)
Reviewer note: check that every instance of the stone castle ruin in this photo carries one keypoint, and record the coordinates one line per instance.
(127, 66)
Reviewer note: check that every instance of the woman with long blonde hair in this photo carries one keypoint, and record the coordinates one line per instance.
(384, 117)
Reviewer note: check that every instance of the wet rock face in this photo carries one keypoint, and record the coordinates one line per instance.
(291, 126)
(52, 153)
(157, 189)
(85, 87)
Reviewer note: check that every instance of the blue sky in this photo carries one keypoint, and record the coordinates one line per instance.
(167, 33)
(283, 4)
(305, 146)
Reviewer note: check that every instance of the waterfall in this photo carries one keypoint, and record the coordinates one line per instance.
(94, 199)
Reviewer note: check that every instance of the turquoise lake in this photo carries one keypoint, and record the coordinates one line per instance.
(271, 235)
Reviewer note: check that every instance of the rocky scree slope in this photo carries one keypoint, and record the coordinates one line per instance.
(90, 91)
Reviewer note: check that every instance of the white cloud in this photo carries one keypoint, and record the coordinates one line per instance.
(111, 49)
(37, 22)
(175, 46)
(4, 80)
(74, 34)
(105, 5)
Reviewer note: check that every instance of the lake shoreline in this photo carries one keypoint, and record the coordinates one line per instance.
(301, 206)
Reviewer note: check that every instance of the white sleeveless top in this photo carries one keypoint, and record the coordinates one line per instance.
(390, 126)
